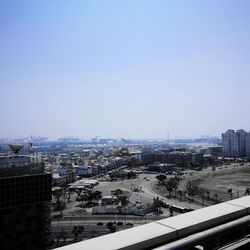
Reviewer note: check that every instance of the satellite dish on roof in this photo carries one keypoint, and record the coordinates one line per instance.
(15, 148)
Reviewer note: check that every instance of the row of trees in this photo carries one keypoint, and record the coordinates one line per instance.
(60, 198)
(63, 234)
(170, 184)
(89, 198)
(78, 229)
(230, 192)
(191, 190)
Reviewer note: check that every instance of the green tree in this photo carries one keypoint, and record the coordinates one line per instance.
(171, 184)
(213, 169)
(202, 194)
(208, 194)
(68, 196)
(83, 198)
(60, 205)
(157, 203)
(118, 192)
(131, 175)
(59, 196)
(180, 193)
(191, 189)
(230, 192)
(134, 163)
(216, 197)
(161, 178)
(124, 200)
(76, 231)
(111, 227)
(96, 195)
(62, 235)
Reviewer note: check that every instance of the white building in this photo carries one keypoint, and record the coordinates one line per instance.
(108, 151)
(84, 183)
(68, 172)
(58, 180)
(234, 143)
(84, 170)
(107, 200)
(137, 155)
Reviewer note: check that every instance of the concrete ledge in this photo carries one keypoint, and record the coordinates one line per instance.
(242, 202)
(214, 234)
(201, 219)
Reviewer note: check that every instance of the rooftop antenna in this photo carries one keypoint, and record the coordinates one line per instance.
(31, 145)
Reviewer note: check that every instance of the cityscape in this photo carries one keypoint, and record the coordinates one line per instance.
(124, 125)
(72, 190)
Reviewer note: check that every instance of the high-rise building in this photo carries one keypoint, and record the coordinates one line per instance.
(248, 145)
(234, 143)
(230, 144)
(242, 134)
(25, 194)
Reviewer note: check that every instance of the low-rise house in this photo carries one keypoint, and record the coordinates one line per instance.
(68, 172)
(84, 170)
(58, 180)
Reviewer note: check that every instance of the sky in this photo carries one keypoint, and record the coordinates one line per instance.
(124, 69)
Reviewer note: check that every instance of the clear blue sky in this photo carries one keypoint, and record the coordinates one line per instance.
(136, 69)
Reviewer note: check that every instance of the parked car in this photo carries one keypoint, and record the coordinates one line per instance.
(130, 224)
(109, 224)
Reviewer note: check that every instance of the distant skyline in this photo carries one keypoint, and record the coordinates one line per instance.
(124, 69)
(35, 138)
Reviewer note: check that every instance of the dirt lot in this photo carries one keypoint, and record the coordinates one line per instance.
(236, 178)
(147, 183)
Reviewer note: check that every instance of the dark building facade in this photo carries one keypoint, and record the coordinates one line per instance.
(25, 195)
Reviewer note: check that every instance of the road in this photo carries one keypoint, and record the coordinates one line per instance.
(64, 229)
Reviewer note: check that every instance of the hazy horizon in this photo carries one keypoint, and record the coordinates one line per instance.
(32, 137)
(131, 69)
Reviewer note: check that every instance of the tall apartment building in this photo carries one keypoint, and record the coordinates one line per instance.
(234, 143)
(242, 135)
(25, 194)
(248, 145)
